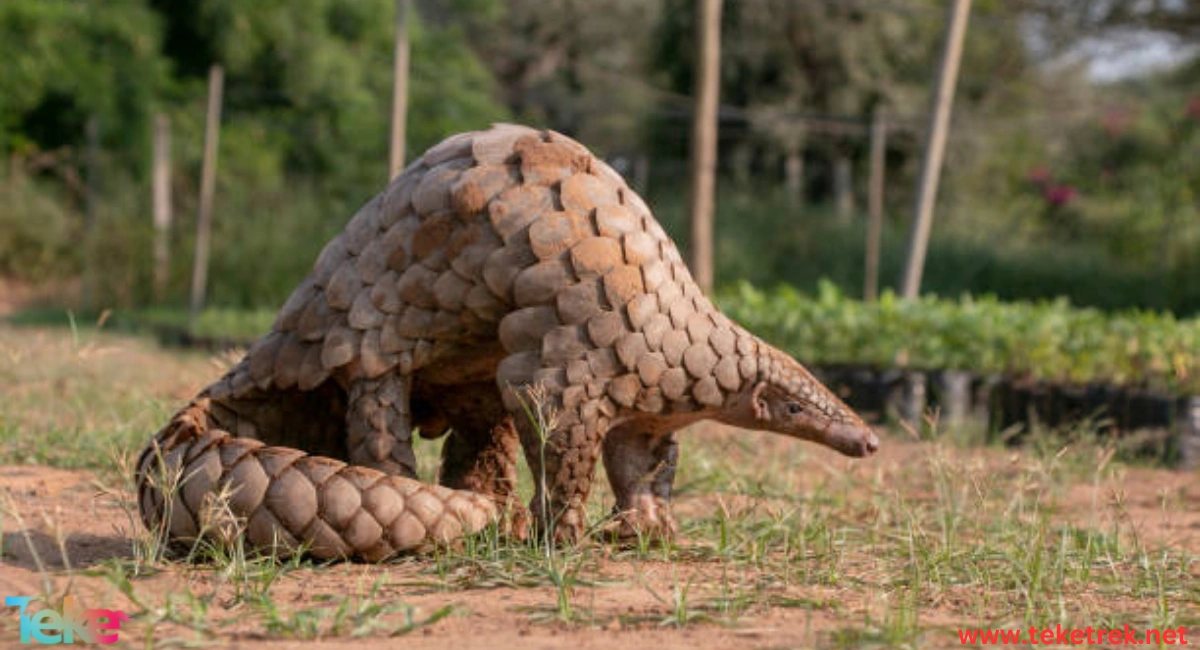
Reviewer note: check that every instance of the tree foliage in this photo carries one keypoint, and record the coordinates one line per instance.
(1040, 156)
(65, 61)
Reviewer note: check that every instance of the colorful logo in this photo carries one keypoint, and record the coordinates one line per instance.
(50, 627)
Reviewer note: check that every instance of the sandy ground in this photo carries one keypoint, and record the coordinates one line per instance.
(71, 506)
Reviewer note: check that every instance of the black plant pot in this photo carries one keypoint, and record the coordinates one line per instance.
(908, 396)
(1187, 432)
(1017, 405)
(1149, 410)
(951, 392)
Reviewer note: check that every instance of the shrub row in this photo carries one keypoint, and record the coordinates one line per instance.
(1044, 340)
(1048, 341)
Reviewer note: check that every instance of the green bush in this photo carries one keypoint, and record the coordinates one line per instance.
(1048, 340)
(37, 230)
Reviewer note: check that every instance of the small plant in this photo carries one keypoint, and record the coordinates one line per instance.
(1047, 340)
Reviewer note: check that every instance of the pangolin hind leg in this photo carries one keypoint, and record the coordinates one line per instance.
(480, 454)
(641, 469)
(492, 469)
(379, 425)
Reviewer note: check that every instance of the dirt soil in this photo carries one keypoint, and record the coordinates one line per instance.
(46, 505)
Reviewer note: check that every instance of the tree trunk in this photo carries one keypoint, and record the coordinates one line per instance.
(704, 140)
(793, 174)
(208, 181)
(843, 186)
(935, 147)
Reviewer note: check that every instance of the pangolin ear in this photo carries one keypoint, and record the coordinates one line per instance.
(758, 401)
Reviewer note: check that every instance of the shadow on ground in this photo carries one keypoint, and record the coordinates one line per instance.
(36, 550)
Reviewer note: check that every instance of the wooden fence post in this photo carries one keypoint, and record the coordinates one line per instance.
(161, 192)
(875, 205)
(90, 192)
(935, 147)
(793, 170)
(399, 90)
(843, 182)
(704, 139)
(208, 179)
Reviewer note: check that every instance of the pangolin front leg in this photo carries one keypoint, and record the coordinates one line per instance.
(561, 438)
(641, 470)
(563, 464)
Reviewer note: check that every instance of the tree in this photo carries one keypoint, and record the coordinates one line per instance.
(580, 66)
(314, 76)
(68, 60)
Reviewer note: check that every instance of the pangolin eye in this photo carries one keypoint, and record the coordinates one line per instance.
(794, 408)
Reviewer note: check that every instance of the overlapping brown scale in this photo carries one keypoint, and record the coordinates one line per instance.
(450, 291)
(541, 282)
(432, 194)
(262, 356)
(596, 256)
(432, 234)
(312, 372)
(555, 232)
(548, 163)
(372, 261)
(289, 315)
(415, 287)
(524, 329)
(477, 186)
(344, 285)
(363, 226)
(329, 260)
(624, 389)
(373, 360)
(397, 198)
(583, 192)
(340, 346)
(564, 343)
(364, 315)
(578, 302)
(502, 266)
(497, 145)
(605, 327)
(517, 207)
(455, 146)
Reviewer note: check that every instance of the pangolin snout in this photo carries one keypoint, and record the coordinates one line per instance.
(852, 439)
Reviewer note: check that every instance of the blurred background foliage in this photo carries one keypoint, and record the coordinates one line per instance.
(1060, 181)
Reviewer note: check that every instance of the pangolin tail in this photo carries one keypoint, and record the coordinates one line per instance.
(196, 481)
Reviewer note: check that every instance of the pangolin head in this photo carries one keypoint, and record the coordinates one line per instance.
(787, 399)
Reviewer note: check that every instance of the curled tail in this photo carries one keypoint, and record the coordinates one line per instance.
(192, 477)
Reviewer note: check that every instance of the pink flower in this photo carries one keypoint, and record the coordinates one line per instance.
(1193, 107)
(1059, 195)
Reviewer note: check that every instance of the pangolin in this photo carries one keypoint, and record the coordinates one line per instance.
(502, 267)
